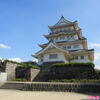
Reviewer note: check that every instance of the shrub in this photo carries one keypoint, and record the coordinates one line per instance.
(73, 65)
(75, 81)
(14, 62)
(22, 65)
(19, 79)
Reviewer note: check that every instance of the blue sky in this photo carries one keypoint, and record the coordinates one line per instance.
(23, 23)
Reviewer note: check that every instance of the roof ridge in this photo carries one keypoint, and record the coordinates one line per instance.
(62, 21)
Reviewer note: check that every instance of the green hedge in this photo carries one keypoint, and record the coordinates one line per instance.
(14, 62)
(19, 79)
(73, 64)
(22, 65)
(75, 81)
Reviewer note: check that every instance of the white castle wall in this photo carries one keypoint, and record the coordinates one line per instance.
(60, 57)
(39, 61)
(46, 58)
(85, 60)
(72, 47)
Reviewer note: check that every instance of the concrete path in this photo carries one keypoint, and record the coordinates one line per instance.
(35, 95)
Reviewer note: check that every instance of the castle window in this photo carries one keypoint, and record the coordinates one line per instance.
(56, 38)
(82, 57)
(64, 47)
(75, 37)
(53, 56)
(61, 38)
(58, 30)
(76, 57)
(76, 46)
(69, 47)
(42, 60)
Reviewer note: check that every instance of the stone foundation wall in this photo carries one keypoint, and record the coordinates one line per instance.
(27, 73)
(54, 73)
(75, 72)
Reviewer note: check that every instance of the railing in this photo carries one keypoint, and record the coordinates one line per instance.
(65, 31)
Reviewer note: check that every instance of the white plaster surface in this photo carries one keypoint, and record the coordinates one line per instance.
(3, 77)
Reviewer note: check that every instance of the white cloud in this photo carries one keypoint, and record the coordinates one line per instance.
(34, 60)
(4, 46)
(15, 59)
(94, 45)
(97, 56)
(97, 67)
(97, 59)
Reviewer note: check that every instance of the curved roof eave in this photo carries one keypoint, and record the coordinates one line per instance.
(52, 45)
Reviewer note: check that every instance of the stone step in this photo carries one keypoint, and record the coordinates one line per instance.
(8, 85)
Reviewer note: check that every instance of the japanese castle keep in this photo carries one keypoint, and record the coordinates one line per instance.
(65, 44)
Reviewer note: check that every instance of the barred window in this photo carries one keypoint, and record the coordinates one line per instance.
(41, 59)
(76, 57)
(53, 56)
(56, 38)
(69, 47)
(82, 57)
(76, 46)
(64, 47)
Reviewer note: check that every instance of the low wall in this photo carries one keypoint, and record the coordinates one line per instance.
(3, 77)
(10, 70)
(62, 87)
(50, 86)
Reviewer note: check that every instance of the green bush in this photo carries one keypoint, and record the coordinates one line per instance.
(75, 81)
(28, 66)
(73, 64)
(14, 62)
(20, 79)
(23, 64)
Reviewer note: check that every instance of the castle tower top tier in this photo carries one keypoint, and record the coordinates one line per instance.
(63, 25)
(62, 21)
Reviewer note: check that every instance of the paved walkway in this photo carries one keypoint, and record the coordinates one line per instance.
(35, 95)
